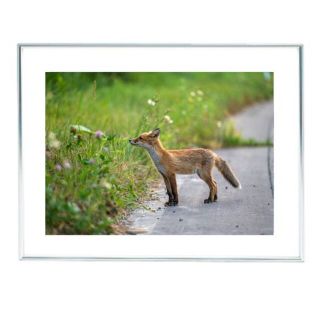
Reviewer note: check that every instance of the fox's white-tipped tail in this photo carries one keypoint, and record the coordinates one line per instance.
(240, 186)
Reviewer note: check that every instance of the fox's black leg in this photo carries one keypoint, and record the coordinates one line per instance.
(169, 191)
(173, 183)
(170, 202)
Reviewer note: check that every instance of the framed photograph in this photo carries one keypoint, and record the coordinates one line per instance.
(161, 152)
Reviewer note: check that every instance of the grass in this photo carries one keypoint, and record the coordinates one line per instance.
(93, 176)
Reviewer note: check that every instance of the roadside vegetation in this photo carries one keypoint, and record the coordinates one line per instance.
(93, 175)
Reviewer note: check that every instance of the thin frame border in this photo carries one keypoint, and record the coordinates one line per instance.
(299, 258)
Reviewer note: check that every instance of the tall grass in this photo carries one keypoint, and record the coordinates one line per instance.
(93, 177)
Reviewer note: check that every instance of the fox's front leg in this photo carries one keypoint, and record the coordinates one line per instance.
(173, 184)
(169, 191)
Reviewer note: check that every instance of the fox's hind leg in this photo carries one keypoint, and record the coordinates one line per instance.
(212, 184)
(213, 189)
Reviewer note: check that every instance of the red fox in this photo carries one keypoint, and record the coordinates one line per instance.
(185, 161)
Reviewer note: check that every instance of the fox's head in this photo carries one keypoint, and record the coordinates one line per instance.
(146, 139)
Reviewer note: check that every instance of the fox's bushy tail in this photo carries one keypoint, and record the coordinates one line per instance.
(227, 172)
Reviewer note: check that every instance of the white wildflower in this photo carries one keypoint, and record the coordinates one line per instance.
(105, 184)
(151, 102)
(192, 94)
(199, 93)
(51, 136)
(53, 142)
(67, 164)
(219, 124)
(167, 119)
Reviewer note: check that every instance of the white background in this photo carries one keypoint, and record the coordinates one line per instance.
(284, 62)
(139, 290)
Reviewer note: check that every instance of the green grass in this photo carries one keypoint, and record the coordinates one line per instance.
(91, 182)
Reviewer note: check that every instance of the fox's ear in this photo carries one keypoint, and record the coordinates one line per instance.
(155, 133)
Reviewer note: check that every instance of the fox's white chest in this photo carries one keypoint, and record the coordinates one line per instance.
(156, 160)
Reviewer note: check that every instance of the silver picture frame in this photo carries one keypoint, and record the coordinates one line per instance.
(299, 258)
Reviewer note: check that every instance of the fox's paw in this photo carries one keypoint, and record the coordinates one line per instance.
(171, 203)
(209, 200)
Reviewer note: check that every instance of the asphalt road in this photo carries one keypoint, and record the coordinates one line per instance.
(248, 211)
(256, 122)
